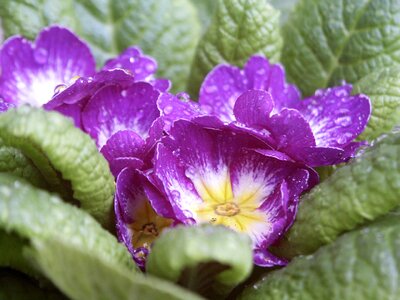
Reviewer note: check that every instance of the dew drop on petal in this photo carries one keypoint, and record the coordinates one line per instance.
(131, 59)
(123, 93)
(175, 195)
(168, 109)
(40, 55)
(150, 67)
(343, 121)
(211, 89)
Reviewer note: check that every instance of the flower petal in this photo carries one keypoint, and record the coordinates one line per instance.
(113, 109)
(220, 89)
(253, 107)
(336, 118)
(261, 75)
(31, 72)
(133, 60)
(124, 149)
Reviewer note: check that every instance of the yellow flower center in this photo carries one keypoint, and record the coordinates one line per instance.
(236, 206)
(147, 225)
(228, 209)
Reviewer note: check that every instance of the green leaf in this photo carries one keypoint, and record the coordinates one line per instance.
(328, 41)
(239, 29)
(67, 158)
(363, 264)
(13, 161)
(285, 7)
(205, 10)
(166, 29)
(72, 250)
(353, 195)
(383, 88)
(208, 259)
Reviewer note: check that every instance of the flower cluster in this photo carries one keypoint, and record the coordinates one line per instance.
(241, 156)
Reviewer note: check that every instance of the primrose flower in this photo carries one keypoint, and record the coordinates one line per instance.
(31, 71)
(138, 225)
(211, 173)
(318, 130)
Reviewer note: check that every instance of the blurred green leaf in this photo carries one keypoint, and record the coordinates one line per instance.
(71, 249)
(208, 259)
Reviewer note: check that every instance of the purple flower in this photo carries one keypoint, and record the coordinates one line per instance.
(212, 173)
(58, 71)
(31, 71)
(317, 131)
(137, 223)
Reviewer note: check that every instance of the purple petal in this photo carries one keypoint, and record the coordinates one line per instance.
(113, 109)
(261, 75)
(83, 88)
(30, 72)
(124, 149)
(141, 66)
(291, 131)
(220, 89)
(336, 118)
(264, 258)
(253, 107)
(172, 109)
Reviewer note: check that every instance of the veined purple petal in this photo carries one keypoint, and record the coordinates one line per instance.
(220, 89)
(212, 175)
(124, 149)
(254, 107)
(30, 72)
(113, 109)
(336, 118)
(261, 75)
(133, 60)
(172, 109)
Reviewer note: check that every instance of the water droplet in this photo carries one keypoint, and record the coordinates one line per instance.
(131, 59)
(207, 108)
(40, 55)
(168, 109)
(340, 92)
(225, 87)
(59, 88)
(343, 121)
(150, 67)
(124, 93)
(175, 195)
(190, 186)
(260, 71)
(183, 96)
(190, 172)
(211, 89)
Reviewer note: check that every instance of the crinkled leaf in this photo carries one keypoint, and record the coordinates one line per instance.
(166, 29)
(72, 250)
(383, 88)
(239, 29)
(328, 41)
(362, 264)
(355, 194)
(67, 158)
(208, 259)
(13, 161)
